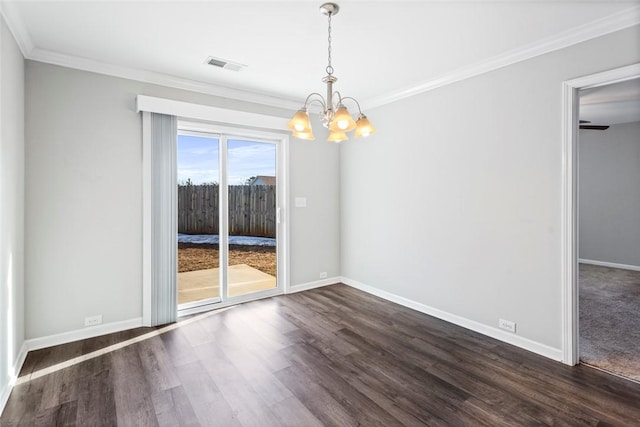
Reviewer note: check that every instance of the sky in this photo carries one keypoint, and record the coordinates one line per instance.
(198, 160)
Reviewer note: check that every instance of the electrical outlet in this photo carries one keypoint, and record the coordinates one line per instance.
(93, 320)
(507, 325)
(323, 275)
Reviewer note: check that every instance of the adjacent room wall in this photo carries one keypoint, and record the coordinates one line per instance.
(11, 208)
(455, 204)
(609, 195)
(84, 197)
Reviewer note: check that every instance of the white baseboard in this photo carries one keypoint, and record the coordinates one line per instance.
(13, 376)
(609, 264)
(81, 334)
(312, 285)
(510, 338)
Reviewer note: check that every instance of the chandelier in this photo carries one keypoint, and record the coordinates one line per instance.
(334, 115)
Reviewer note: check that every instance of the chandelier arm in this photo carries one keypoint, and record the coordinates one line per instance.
(321, 100)
(337, 93)
(354, 100)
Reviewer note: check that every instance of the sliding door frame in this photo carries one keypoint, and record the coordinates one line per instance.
(224, 134)
(225, 121)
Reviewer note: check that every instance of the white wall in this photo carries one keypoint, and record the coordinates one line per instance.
(83, 197)
(455, 203)
(315, 173)
(11, 208)
(609, 194)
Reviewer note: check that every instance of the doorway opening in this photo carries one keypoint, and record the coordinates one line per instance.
(602, 221)
(228, 218)
(609, 227)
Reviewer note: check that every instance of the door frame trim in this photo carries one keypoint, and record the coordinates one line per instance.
(569, 261)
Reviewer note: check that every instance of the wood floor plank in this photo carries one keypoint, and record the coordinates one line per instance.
(266, 331)
(530, 389)
(96, 401)
(292, 413)
(159, 372)
(320, 370)
(237, 334)
(317, 325)
(315, 398)
(205, 398)
(247, 403)
(173, 408)
(23, 405)
(64, 415)
(178, 348)
(414, 392)
(381, 382)
(131, 390)
(58, 389)
(331, 356)
(196, 333)
(268, 311)
(264, 337)
(254, 371)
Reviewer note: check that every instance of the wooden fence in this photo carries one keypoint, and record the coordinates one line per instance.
(252, 210)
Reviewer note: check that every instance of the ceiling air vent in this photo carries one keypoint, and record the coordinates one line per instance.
(223, 63)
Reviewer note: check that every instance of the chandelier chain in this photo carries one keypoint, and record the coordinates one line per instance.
(329, 68)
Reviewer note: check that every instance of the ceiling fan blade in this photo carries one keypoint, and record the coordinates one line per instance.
(584, 121)
(594, 127)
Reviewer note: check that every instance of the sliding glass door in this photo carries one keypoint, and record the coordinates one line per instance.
(227, 215)
(252, 191)
(198, 219)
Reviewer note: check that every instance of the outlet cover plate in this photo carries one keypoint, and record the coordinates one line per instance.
(507, 325)
(93, 320)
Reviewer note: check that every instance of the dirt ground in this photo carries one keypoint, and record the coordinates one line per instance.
(201, 256)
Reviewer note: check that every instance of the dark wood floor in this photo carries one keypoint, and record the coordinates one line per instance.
(332, 356)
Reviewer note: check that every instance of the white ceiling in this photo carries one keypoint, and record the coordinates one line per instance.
(381, 48)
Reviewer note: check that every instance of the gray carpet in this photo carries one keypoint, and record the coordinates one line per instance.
(610, 319)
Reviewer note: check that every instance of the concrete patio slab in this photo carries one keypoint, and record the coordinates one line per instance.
(203, 284)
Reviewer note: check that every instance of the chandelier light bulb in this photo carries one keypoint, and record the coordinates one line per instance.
(337, 136)
(303, 135)
(364, 127)
(342, 120)
(300, 122)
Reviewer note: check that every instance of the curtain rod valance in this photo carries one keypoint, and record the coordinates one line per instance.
(189, 110)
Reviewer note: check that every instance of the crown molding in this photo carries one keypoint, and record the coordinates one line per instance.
(609, 24)
(16, 25)
(160, 79)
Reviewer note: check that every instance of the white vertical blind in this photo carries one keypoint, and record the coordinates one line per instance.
(163, 233)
